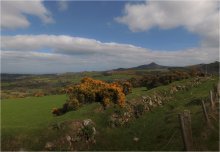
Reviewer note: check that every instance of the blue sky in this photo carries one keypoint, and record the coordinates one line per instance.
(95, 20)
(101, 35)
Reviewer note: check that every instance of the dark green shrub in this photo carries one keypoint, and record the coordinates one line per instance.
(64, 109)
(119, 111)
(73, 104)
(57, 111)
(88, 132)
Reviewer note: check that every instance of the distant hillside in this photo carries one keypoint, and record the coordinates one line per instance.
(149, 66)
(211, 68)
(11, 77)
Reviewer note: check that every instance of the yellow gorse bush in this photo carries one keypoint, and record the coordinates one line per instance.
(91, 90)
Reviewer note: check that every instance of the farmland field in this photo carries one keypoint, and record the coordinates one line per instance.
(26, 121)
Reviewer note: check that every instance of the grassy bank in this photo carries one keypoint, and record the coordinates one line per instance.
(25, 122)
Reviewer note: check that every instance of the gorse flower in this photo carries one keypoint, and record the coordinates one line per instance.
(90, 90)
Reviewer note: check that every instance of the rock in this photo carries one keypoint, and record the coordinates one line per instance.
(173, 89)
(94, 130)
(146, 108)
(68, 138)
(94, 141)
(87, 122)
(49, 146)
(144, 98)
(74, 125)
(159, 102)
(136, 139)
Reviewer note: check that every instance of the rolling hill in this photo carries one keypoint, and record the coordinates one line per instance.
(210, 68)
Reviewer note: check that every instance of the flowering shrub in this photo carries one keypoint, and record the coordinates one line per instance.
(90, 90)
(126, 86)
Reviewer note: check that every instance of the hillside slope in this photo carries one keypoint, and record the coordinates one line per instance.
(26, 123)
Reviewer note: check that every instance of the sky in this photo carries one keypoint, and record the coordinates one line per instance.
(71, 36)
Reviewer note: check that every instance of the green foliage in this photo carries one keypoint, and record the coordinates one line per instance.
(35, 119)
(73, 104)
(119, 111)
(68, 106)
(152, 80)
(88, 132)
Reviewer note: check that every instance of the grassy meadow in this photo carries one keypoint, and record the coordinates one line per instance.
(26, 122)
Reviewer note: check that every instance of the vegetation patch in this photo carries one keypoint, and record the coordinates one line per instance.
(91, 90)
(27, 123)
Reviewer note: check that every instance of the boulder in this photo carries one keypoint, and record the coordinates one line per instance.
(150, 103)
(68, 138)
(49, 146)
(87, 122)
(144, 98)
(135, 139)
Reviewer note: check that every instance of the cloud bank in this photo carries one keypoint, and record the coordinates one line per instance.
(14, 13)
(62, 53)
(199, 17)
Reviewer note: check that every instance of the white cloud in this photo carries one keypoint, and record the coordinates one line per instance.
(199, 17)
(14, 13)
(22, 54)
(62, 53)
(64, 44)
(62, 5)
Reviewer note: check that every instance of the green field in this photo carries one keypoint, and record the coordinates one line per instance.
(25, 123)
(50, 84)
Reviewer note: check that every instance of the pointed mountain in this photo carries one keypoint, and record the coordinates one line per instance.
(152, 65)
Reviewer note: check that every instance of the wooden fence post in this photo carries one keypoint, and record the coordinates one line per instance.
(205, 113)
(218, 90)
(211, 100)
(185, 122)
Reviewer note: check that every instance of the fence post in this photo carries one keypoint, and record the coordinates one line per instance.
(185, 122)
(218, 90)
(211, 100)
(205, 113)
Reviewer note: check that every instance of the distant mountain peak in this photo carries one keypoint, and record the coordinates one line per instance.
(152, 63)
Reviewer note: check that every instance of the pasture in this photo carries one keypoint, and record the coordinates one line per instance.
(26, 122)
